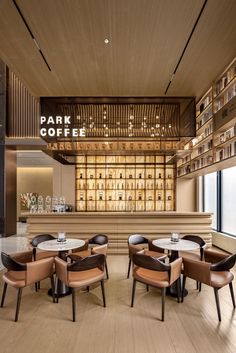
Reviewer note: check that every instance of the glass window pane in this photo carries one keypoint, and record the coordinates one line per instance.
(210, 196)
(228, 200)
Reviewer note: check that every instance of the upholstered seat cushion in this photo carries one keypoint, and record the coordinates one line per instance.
(15, 279)
(154, 278)
(78, 279)
(220, 279)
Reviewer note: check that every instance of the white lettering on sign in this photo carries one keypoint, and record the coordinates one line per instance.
(58, 120)
(51, 131)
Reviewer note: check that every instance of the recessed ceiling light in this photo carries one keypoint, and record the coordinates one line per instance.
(106, 41)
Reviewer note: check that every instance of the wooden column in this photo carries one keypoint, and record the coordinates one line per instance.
(7, 166)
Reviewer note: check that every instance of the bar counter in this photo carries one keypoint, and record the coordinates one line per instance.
(119, 225)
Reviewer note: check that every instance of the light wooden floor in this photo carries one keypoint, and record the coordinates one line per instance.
(191, 327)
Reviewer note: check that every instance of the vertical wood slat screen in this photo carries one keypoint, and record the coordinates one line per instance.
(23, 110)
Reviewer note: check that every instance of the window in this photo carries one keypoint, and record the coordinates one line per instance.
(228, 199)
(210, 196)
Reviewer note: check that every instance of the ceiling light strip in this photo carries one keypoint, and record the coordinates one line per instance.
(31, 34)
(186, 45)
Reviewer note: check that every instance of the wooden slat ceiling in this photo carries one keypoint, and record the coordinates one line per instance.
(147, 38)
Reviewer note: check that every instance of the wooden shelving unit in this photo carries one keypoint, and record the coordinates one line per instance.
(216, 127)
(124, 183)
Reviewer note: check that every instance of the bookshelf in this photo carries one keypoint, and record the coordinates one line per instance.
(215, 139)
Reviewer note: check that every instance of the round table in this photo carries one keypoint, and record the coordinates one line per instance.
(54, 245)
(62, 248)
(175, 247)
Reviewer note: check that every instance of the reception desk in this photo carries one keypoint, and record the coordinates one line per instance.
(119, 225)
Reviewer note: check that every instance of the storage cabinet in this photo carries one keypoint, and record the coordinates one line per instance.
(124, 183)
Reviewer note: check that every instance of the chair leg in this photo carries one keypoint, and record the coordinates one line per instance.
(53, 288)
(197, 285)
(183, 288)
(36, 286)
(217, 303)
(87, 288)
(232, 293)
(163, 293)
(103, 293)
(73, 303)
(200, 286)
(106, 269)
(4, 294)
(129, 268)
(133, 293)
(147, 287)
(178, 283)
(18, 303)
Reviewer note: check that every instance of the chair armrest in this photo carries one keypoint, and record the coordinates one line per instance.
(198, 270)
(38, 270)
(175, 269)
(61, 270)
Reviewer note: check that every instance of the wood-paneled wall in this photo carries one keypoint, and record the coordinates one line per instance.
(23, 110)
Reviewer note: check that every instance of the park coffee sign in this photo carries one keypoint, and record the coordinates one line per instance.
(59, 128)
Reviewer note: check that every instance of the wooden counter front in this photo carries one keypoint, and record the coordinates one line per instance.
(119, 225)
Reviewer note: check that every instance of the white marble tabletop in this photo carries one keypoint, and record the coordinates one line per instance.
(181, 245)
(54, 245)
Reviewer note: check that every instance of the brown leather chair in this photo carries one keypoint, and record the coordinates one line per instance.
(81, 274)
(193, 255)
(215, 275)
(153, 272)
(23, 274)
(136, 243)
(101, 246)
(38, 255)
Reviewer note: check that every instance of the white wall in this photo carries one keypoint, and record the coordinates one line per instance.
(185, 195)
(64, 182)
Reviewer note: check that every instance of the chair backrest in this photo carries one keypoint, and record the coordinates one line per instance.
(40, 238)
(150, 263)
(11, 264)
(136, 239)
(196, 239)
(225, 264)
(153, 247)
(99, 239)
(87, 263)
